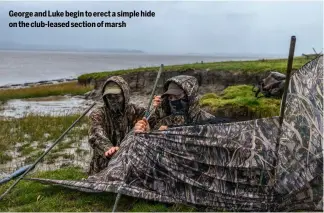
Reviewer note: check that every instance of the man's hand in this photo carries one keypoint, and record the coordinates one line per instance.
(111, 151)
(141, 126)
(156, 101)
(163, 128)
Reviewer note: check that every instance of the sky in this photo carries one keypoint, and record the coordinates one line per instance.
(210, 27)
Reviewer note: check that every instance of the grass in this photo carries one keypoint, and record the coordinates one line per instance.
(240, 99)
(31, 157)
(237, 66)
(41, 129)
(72, 88)
(4, 157)
(26, 150)
(30, 196)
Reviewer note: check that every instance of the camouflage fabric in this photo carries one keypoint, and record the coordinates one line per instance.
(109, 129)
(229, 167)
(300, 170)
(162, 115)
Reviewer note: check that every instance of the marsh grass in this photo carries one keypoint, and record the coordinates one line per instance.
(42, 130)
(4, 157)
(69, 88)
(30, 196)
(26, 150)
(81, 151)
(255, 66)
(32, 157)
(235, 99)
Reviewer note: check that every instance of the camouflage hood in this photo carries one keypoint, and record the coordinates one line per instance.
(123, 85)
(190, 86)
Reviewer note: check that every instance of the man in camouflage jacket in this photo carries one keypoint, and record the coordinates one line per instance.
(179, 105)
(111, 122)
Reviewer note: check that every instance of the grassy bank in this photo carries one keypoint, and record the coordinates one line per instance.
(30, 196)
(72, 88)
(33, 133)
(240, 100)
(238, 66)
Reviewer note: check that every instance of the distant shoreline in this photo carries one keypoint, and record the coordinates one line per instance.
(20, 47)
(70, 51)
(214, 76)
(38, 83)
(220, 55)
(109, 62)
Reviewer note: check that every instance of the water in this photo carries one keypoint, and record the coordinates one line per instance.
(18, 67)
(56, 107)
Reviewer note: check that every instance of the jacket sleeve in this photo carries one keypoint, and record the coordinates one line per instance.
(98, 139)
(156, 116)
(139, 112)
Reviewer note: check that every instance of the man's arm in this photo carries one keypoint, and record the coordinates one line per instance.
(157, 113)
(137, 113)
(98, 139)
(144, 125)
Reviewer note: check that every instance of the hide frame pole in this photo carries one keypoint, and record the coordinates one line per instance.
(289, 69)
(116, 202)
(147, 115)
(282, 112)
(153, 91)
(49, 149)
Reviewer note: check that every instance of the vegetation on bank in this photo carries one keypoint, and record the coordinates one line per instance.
(71, 88)
(30, 196)
(236, 101)
(255, 66)
(81, 86)
(33, 133)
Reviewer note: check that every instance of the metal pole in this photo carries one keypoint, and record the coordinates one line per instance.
(42, 156)
(282, 108)
(289, 68)
(147, 116)
(116, 202)
(154, 88)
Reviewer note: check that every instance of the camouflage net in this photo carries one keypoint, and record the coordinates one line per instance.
(234, 166)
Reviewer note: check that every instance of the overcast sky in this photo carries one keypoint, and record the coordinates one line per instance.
(181, 27)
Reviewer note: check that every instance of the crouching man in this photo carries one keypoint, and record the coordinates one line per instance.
(111, 122)
(179, 105)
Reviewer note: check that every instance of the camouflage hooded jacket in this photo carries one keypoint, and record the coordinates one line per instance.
(162, 115)
(108, 129)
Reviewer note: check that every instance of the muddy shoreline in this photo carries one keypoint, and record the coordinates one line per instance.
(38, 83)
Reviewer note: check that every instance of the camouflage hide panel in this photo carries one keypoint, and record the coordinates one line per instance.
(300, 169)
(229, 167)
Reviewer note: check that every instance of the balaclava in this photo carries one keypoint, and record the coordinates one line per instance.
(180, 105)
(113, 97)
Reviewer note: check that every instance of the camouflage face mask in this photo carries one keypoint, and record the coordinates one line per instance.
(115, 102)
(179, 107)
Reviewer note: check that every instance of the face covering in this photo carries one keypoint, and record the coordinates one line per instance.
(115, 102)
(179, 107)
